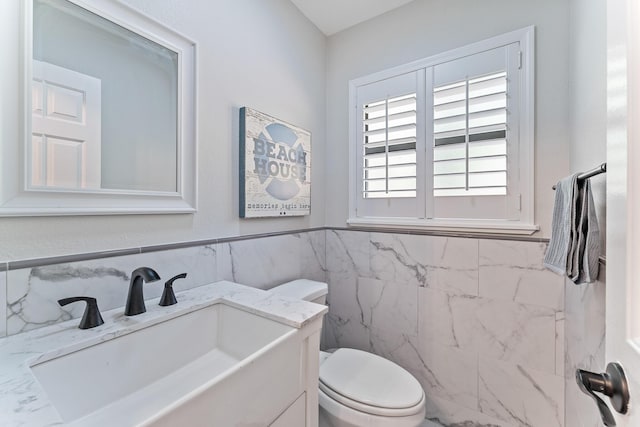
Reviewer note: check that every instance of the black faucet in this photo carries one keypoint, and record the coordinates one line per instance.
(135, 300)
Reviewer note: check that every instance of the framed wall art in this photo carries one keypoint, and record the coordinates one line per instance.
(275, 167)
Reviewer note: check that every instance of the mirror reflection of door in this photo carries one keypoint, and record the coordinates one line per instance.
(66, 121)
(138, 82)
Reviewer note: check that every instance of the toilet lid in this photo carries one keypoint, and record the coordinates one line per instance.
(369, 379)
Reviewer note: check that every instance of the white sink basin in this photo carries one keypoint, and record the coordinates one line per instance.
(200, 362)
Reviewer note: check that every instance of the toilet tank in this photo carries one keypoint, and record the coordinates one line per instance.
(308, 290)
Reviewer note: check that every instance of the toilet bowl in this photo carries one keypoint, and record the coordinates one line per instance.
(357, 388)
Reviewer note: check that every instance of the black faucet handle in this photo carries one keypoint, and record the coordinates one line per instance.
(91, 317)
(168, 296)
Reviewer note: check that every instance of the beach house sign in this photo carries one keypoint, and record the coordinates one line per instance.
(275, 167)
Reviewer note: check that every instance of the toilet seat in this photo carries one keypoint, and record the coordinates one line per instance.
(368, 409)
(370, 384)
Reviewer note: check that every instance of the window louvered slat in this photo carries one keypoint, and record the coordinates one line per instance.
(389, 148)
(470, 146)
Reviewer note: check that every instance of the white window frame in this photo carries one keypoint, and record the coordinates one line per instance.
(525, 224)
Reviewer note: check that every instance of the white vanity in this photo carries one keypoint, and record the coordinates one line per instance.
(225, 355)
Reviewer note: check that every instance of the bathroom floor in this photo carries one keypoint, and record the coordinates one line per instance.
(428, 423)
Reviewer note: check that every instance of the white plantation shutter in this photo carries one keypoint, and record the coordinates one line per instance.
(475, 136)
(470, 147)
(389, 147)
(391, 177)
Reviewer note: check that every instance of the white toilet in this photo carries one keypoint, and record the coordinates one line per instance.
(356, 388)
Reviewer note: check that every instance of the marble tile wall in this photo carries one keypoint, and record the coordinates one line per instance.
(3, 303)
(32, 293)
(479, 322)
(585, 347)
(489, 333)
(268, 261)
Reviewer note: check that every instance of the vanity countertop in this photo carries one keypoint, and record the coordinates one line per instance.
(24, 403)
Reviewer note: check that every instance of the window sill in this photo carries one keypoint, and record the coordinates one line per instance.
(469, 226)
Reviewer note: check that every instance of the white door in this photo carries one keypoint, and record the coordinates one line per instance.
(65, 148)
(623, 197)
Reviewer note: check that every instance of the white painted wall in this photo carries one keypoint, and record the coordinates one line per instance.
(267, 55)
(588, 95)
(262, 54)
(426, 27)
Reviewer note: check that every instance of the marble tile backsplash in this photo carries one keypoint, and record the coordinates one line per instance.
(268, 261)
(32, 293)
(492, 336)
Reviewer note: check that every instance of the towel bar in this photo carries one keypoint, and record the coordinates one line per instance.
(593, 172)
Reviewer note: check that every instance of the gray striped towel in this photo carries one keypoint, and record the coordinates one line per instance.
(585, 265)
(574, 248)
(563, 216)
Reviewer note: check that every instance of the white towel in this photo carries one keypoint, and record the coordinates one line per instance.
(574, 248)
(563, 216)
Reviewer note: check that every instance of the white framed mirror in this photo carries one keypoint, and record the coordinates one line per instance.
(109, 114)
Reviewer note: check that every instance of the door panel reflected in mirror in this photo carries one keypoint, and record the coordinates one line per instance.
(104, 105)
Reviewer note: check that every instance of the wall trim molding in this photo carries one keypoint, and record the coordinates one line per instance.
(448, 233)
(39, 262)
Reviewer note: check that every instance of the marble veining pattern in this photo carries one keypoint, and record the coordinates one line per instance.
(32, 293)
(347, 259)
(438, 262)
(477, 300)
(313, 262)
(269, 261)
(449, 413)
(386, 308)
(467, 317)
(23, 402)
(400, 258)
(3, 303)
(453, 265)
(224, 266)
(560, 343)
(584, 336)
(521, 396)
(449, 374)
(348, 254)
(497, 329)
(514, 271)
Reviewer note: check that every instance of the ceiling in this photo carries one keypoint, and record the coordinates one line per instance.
(332, 16)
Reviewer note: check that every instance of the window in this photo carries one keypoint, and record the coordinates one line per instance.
(447, 141)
